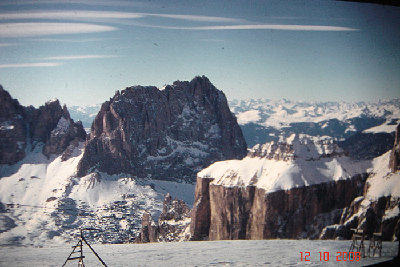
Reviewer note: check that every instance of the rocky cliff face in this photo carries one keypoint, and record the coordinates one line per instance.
(251, 213)
(164, 134)
(25, 126)
(289, 189)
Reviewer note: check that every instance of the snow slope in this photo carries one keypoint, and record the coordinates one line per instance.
(46, 202)
(218, 253)
(383, 182)
(300, 160)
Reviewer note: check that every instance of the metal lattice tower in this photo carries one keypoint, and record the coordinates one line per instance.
(78, 254)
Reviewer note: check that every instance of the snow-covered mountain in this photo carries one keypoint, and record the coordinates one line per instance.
(85, 114)
(168, 134)
(365, 130)
(264, 120)
(44, 201)
(293, 188)
(297, 161)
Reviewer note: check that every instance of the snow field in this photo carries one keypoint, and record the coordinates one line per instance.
(216, 253)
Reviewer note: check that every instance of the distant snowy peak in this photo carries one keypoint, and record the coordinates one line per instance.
(281, 113)
(297, 146)
(86, 114)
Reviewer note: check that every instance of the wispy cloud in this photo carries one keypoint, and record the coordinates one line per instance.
(6, 44)
(283, 27)
(40, 29)
(71, 40)
(85, 14)
(194, 17)
(127, 3)
(30, 65)
(74, 57)
(70, 14)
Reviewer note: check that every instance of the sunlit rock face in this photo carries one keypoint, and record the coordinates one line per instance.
(167, 134)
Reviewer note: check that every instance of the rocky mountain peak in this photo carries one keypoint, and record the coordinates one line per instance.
(50, 124)
(13, 133)
(9, 106)
(166, 134)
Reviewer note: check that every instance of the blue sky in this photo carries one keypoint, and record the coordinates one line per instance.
(83, 51)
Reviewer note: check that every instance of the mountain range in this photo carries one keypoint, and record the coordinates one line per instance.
(250, 169)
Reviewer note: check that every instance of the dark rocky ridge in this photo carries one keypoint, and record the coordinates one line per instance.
(249, 213)
(166, 134)
(22, 126)
(13, 132)
(394, 163)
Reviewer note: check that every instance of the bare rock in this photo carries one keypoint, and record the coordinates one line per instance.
(201, 211)
(251, 213)
(173, 224)
(167, 134)
(149, 231)
(13, 129)
(394, 163)
(22, 126)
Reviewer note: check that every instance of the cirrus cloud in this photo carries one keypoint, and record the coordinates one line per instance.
(30, 29)
(285, 27)
(88, 15)
(30, 65)
(73, 57)
(70, 14)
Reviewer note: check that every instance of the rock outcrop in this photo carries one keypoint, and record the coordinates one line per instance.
(289, 189)
(22, 126)
(53, 126)
(164, 134)
(173, 223)
(394, 162)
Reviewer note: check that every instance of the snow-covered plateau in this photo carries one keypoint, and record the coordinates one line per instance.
(217, 253)
(296, 161)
